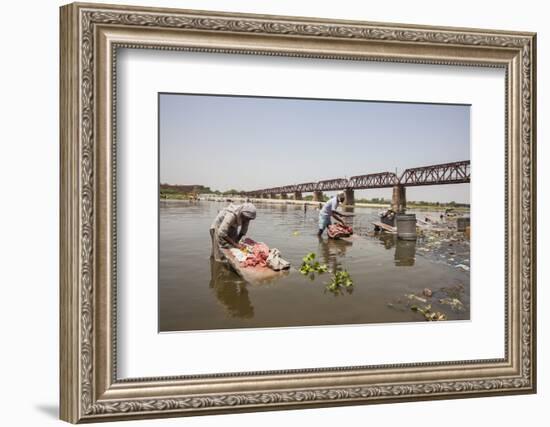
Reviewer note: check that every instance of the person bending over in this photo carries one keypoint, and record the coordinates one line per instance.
(229, 227)
(328, 211)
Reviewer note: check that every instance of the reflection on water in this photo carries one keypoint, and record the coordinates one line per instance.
(196, 293)
(230, 290)
(405, 253)
(387, 240)
(332, 251)
(405, 250)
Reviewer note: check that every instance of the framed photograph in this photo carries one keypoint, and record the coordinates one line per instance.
(267, 212)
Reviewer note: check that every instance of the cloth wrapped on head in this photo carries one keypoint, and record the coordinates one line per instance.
(248, 210)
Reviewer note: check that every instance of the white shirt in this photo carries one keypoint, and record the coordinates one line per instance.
(330, 206)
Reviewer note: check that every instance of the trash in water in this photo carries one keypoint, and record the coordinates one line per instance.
(432, 302)
(464, 267)
(441, 242)
(417, 298)
(429, 314)
(455, 303)
(455, 291)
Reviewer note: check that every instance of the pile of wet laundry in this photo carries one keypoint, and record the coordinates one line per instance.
(258, 254)
(335, 231)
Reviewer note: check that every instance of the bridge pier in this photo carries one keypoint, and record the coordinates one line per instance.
(297, 195)
(272, 196)
(350, 197)
(263, 196)
(284, 196)
(399, 200)
(317, 196)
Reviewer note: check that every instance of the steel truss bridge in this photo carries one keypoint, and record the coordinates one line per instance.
(446, 173)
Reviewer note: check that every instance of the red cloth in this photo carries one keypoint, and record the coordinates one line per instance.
(338, 230)
(258, 255)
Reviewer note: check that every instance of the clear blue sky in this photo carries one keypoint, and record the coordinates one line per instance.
(251, 143)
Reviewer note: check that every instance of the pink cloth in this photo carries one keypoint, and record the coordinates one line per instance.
(338, 230)
(258, 255)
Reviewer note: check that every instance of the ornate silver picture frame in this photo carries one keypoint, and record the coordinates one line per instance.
(91, 34)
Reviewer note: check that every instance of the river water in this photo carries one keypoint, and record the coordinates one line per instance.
(196, 293)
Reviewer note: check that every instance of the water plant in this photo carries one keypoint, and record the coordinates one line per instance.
(340, 280)
(309, 265)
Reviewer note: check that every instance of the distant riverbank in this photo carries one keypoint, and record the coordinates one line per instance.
(238, 199)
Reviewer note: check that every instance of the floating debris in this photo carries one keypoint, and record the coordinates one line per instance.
(416, 297)
(433, 303)
(464, 267)
(455, 291)
(441, 242)
(455, 303)
(429, 314)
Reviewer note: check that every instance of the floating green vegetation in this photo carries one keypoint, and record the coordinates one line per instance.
(340, 280)
(310, 265)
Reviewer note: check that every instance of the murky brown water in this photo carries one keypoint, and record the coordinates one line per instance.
(196, 293)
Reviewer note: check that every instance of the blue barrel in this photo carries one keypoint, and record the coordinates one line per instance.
(406, 226)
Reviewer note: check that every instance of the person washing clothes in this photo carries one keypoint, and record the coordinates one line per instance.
(229, 227)
(329, 210)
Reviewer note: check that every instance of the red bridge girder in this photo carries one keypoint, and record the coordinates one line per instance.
(446, 173)
(373, 180)
(308, 187)
(332, 184)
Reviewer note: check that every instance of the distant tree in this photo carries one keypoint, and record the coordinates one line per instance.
(231, 191)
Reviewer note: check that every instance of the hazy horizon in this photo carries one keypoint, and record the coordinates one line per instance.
(249, 143)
